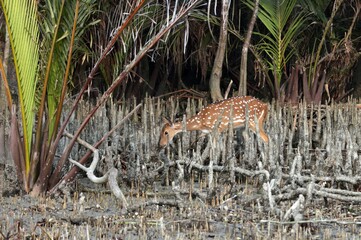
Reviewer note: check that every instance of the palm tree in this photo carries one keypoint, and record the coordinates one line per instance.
(283, 25)
(42, 79)
(42, 37)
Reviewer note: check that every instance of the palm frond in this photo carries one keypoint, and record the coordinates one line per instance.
(282, 31)
(21, 20)
(63, 16)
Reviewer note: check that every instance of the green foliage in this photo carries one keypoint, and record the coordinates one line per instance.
(283, 24)
(52, 12)
(317, 8)
(21, 19)
(42, 43)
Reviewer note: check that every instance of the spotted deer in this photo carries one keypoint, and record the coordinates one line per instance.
(207, 118)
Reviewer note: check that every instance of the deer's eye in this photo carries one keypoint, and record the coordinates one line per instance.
(166, 133)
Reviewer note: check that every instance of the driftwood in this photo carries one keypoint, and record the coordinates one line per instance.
(110, 176)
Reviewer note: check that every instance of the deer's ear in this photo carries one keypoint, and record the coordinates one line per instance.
(167, 121)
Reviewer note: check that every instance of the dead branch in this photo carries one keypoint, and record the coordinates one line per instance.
(90, 170)
(110, 176)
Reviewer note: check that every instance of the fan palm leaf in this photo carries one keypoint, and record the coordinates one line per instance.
(282, 31)
(56, 14)
(21, 19)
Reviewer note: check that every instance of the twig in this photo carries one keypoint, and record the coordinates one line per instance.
(111, 175)
(89, 170)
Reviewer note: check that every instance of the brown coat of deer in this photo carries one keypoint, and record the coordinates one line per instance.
(207, 118)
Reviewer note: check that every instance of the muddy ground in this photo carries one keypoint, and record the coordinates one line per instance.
(89, 211)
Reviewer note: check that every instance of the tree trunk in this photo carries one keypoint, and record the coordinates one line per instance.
(242, 90)
(3, 104)
(215, 80)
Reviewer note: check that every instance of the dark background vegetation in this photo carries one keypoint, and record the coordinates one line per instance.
(185, 58)
(178, 64)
